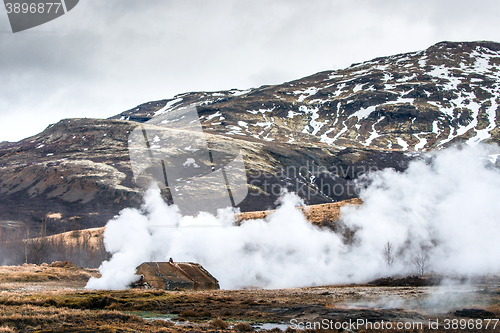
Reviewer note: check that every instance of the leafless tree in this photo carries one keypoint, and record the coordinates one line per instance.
(16, 248)
(388, 254)
(421, 262)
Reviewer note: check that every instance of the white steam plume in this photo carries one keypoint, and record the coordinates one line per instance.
(446, 210)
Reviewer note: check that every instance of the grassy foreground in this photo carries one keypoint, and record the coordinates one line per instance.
(51, 298)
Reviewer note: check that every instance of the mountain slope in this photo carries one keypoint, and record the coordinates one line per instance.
(446, 94)
(315, 136)
(77, 174)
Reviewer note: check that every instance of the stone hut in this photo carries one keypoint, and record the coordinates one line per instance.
(174, 276)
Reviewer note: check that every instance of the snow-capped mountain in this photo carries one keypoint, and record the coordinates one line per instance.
(446, 94)
(325, 131)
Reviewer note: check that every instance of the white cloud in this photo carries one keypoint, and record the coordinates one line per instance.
(104, 57)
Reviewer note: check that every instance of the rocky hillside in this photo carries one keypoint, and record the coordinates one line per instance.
(446, 94)
(315, 136)
(74, 174)
(77, 174)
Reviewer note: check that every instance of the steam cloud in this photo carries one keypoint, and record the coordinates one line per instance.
(444, 208)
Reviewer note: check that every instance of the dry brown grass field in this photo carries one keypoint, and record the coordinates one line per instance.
(57, 302)
(91, 235)
(56, 271)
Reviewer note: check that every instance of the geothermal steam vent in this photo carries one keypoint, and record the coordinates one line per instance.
(174, 275)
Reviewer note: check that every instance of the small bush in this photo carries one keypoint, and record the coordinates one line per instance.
(135, 319)
(63, 264)
(244, 327)
(189, 313)
(206, 313)
(219, 323)
(196, 313)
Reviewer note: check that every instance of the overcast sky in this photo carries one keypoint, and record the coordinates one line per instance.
(107, 56)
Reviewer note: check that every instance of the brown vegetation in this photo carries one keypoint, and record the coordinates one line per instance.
(324, 215)
(219, 323)
(243, 327)
(82, 247)
(57, 271)
(227, 310)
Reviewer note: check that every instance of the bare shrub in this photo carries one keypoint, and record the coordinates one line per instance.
(421, 262)
(244, 327)
(388, 254)
(38, 250)
(219, 323)
(189, 313)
